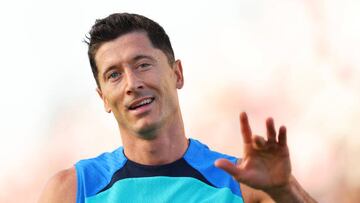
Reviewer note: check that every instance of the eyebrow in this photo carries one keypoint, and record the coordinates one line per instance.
(138, 57)
(135, 58)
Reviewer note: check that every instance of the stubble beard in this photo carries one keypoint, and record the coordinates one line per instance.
(150, 131)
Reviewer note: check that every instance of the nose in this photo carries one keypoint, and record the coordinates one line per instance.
(133, 82)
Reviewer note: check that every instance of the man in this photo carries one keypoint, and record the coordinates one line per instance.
(137, 77)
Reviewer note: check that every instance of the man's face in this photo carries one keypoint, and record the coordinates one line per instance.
(137, 83)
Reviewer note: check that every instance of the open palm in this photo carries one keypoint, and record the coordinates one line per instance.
(266, 163)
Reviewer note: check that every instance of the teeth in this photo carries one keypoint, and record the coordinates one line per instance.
(146, 101)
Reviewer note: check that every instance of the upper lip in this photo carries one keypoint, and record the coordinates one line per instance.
(138, 101)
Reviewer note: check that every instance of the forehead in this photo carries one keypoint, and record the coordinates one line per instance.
(124, 48)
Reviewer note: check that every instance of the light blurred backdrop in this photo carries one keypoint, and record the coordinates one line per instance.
(295, 60)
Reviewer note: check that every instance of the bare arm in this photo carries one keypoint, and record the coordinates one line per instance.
(298, 194)
(293, 192)
(266, 165)
(61, 188)
(251, 195)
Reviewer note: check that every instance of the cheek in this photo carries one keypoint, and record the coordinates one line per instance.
(170, 95)
(165, 89)
(114, 98)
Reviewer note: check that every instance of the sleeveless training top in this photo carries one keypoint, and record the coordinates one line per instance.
(111, 177)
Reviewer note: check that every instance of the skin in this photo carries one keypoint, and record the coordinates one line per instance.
(266, 164)
(156, 136)
(131, 69)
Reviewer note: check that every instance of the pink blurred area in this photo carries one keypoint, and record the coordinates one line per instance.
(307, 79)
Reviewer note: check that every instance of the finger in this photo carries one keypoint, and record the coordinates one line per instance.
(245, 128)
(282, 136)
(270, 130)
(229, 167)
(259, 142)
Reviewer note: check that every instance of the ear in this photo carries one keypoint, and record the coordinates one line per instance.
(106, 103)
(179, 74)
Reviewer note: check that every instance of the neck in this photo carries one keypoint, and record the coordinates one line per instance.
(168, 145)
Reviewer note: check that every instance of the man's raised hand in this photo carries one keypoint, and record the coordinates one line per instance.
(266, 163)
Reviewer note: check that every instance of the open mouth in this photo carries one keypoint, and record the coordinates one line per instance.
(141, 103)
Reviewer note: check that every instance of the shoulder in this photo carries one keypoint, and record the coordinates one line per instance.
(201, 152)
(110, 159)
(61, 187)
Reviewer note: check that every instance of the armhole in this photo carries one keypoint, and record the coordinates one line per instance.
(79, 186)
(240, 189)
(216, 176)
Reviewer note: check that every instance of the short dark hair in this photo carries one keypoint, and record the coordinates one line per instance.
(118, 24)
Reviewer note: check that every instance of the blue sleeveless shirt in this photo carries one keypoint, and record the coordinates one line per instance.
(111, 177)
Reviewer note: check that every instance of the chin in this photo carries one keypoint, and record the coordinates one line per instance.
(147, 131)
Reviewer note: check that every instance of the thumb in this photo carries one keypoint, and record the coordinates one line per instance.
(230, 168)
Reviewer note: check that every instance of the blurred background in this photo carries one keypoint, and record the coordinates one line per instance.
(295, 60)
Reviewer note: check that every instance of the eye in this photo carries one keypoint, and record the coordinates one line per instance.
(144, 66)
(114, 75)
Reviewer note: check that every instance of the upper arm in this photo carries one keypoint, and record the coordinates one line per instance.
(251, 195)
(60, 188)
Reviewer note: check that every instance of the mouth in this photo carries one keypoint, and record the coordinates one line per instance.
(142, 102)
